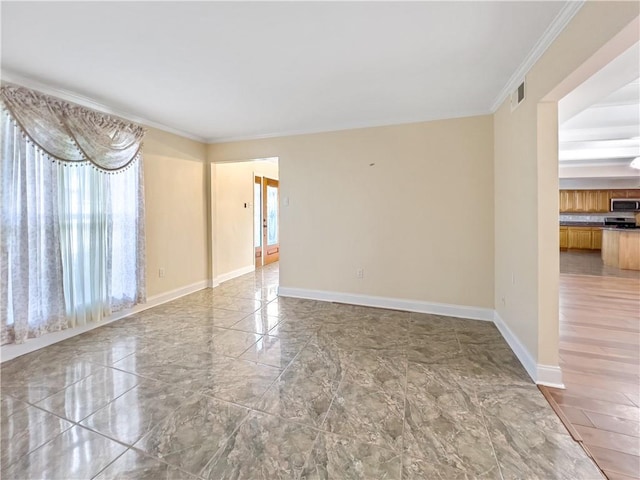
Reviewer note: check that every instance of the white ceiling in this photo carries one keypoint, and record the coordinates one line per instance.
(242, 70)
(599, 130)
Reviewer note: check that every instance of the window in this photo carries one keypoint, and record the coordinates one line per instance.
(72, 215)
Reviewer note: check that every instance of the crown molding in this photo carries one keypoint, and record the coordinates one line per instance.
(550, 34)
(555, 28)
(449, 115)
(69, 96)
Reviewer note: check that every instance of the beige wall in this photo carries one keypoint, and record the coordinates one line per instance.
(176, 199)
(233, 222)
(526, 178)
(419, 221)
(459, 211)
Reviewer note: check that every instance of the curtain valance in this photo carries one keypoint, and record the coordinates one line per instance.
(72, 133)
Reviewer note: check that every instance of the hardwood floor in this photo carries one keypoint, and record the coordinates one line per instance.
(600, 358)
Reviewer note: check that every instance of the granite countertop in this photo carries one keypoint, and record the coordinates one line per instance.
(581, 224)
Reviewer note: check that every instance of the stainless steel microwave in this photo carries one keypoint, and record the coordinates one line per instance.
(625, 204)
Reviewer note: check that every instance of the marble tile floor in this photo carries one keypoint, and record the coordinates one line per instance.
(234, 382)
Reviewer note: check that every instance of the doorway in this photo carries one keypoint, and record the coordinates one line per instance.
(597, 305)
(266, 194)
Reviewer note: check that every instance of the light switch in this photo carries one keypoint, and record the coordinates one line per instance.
(285, 201)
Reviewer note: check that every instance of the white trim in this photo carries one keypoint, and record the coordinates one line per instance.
(9, 352)
(460, 311)
(176, 293)
(526, 359)
(69, 96)
(550, 34)
(555, 28)
(233, 274)
(548, 375)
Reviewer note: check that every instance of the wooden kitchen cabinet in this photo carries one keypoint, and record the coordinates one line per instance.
(585, 201)
(574, 201)
(579, 201)
(628, 193)
(579, 237)
(597, 201)
(582, 238)
(596, 239)
(592, 201)
(564, 238)
(565, 201)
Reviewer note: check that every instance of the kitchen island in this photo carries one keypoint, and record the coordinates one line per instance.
(621, 248)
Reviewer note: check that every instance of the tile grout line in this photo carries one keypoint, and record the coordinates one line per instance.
(223, 442)
(74, 423)
(482, 416)
(486, 428)
(110, 463)
(284, 370)
(305, 465)
(404, 410)
(320, 430)
(253, 412)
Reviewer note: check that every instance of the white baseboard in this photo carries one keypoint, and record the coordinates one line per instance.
(9, 352)
(526, 359)
(460, 311)
(548, 375)
(233, 274)
(173, 294)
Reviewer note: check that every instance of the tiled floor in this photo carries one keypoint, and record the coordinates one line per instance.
(237, 383)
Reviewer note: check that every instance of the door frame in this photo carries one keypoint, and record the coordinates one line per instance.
(260, 254)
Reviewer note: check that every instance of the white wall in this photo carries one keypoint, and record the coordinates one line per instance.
(419, 222)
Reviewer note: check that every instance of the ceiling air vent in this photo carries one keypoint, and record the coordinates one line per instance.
(518, 95)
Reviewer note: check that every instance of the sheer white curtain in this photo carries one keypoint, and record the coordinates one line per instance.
(31, 297)
(100, 225)
(85, 232)
(127, 267)
(72, 222)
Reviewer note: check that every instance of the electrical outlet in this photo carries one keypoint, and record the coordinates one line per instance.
(360, 273)
(161, 272)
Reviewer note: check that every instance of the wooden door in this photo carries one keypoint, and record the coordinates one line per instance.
(257, 219)
(270, 221)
